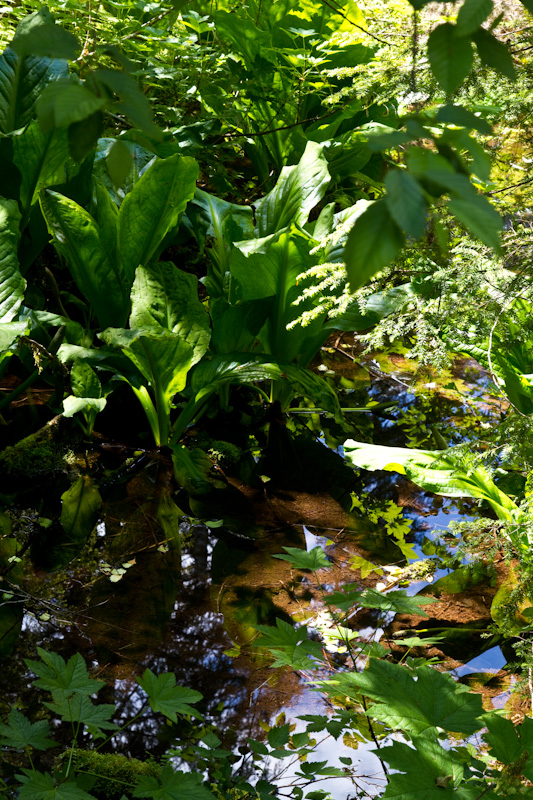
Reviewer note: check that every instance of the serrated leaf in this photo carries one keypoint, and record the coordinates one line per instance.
(374, 241)
(366, 567)
(471, 14)
(494, 54)
(406, 203)
(415, 703)
(166, 697)
(508, 742)
(302, 559)
(450, 56)
(398, 602)
(63, 678)
(480, 218)
(80, 709)
(279, 736)
(173, 786)
(42, 786)
(19, 733)
(290, 646)
(432, 772)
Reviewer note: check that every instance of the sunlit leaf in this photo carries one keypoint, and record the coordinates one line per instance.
(290, 646)
(302, 559)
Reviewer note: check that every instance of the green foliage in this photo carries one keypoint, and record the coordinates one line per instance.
(166, 697)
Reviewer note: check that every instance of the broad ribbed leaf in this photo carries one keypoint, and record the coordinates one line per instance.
(152, 208)
(450, 56)
(373, 243)
(166, 697)
(270, 267)
(21, 82)
(508, 742)
(12, 284)
(20, 733)
(441, 472)
(164, 296)
(406, 203)
(43, 160)
(415, 703)
(296, 193)
(163, 358)
(77, 237)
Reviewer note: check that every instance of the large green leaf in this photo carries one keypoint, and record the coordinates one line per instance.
(242, 368)
(21, 83)
(441, 472)
(290, 646)
(80, 708)
(416, 703)
(166, 697)
(173, 786)
(296, 193)
(163, 358)
(78, 238)
(38, 35)
(63, 678)
(431, 772)
(152, 208)
(43, 160)
(42, 786)
(12, 284)
(451, 56)
(270, 267)
(166, 297)
(373, 243)
(65, 102)
(219, 224)
(20, 733)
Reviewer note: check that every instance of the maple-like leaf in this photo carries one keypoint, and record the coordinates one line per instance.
(398, 601)
(413, 702)
(42, 786)
(166, 697)
(314, 559)
(80, 708)
(19, 733)
(63, 678)
(430, 772)
(290, 646)
(173, 786)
